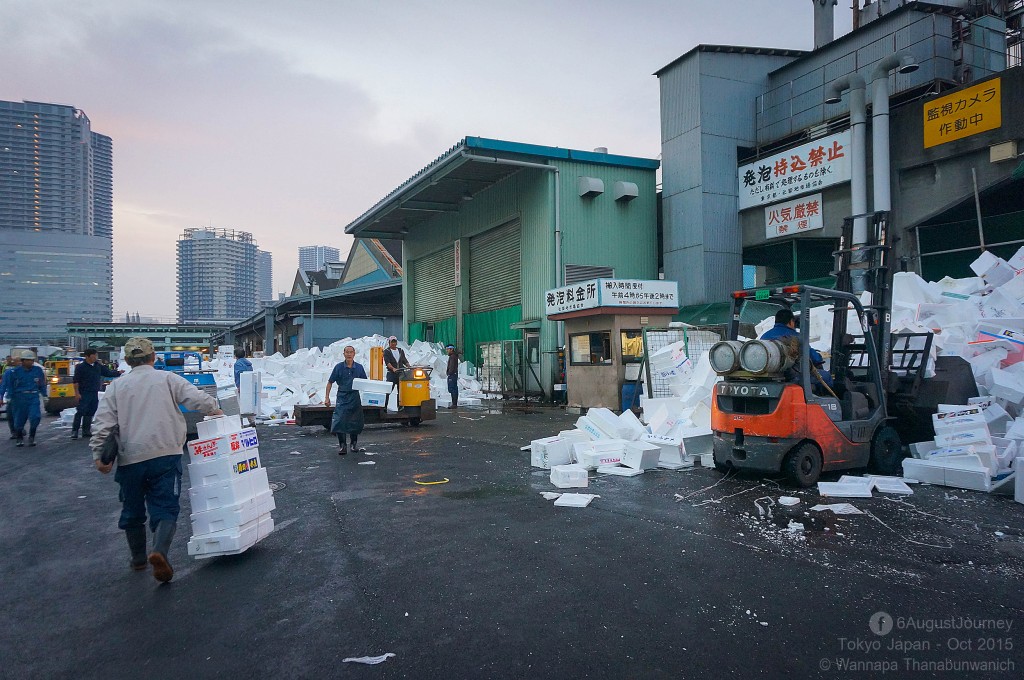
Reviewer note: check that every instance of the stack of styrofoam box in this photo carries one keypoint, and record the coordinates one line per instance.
(593, 454)
(372, 392)
(230, 493)
(550, 451)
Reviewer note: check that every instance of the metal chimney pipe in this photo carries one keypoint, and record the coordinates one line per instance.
(824, 22)
(858, 170)
(903, 61)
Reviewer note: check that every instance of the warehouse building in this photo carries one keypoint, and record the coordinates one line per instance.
(491, 225)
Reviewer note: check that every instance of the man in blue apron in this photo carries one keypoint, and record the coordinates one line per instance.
(348, 411)
(25, 383)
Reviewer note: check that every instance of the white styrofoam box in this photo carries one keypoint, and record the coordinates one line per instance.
(550, 451)
(218, 426)
(1007, 386)
(264, 527)
(641, 455)
(366, 385)
(581, 448)
(372, 398)
(847, 489)
(977, 434)
(671, 449)
(660, 422)
(574, 500)
(610, 446)
(592, 459)
(226, 542)
(569, 476)
(631, 427)
(1016, 429)
(204, 449)
(250, 387)
(964, 414)
(232, 492)
(1006, 452)
(887, 484)
(948, 451)
(701, 416)
(608, 422)
(671, 404)
(226, 517)
(590, 427)
(1017, 261)
(618, 471)
(707, 460)
(1018, 467)
(975, 478)
(995, 270)
(223, 468)
(997, 418)
(573, 436)
(921, 449)
(696, 441)
(675, 466)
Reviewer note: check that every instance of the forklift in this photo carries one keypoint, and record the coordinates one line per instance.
(774, 412)
(60, 386)
(414, 403)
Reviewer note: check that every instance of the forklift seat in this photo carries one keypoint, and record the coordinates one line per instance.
(855, 405)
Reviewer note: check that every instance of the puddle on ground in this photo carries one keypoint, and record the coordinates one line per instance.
(485, 492)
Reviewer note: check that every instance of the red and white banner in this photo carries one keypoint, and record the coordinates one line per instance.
(793, 217)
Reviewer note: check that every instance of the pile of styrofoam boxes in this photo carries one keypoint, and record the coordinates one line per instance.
(974, 447)
(372, 392)
(230, 494)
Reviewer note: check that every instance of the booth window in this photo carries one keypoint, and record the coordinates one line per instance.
(632, 346)
(590, 349)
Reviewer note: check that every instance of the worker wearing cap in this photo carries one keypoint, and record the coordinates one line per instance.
(785, 328)
(9, 365)
(394, 360)
(25, 384)
(88, 381)
(453, 375)
(144, 406)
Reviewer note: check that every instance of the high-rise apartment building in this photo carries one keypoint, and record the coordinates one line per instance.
(315, 258)
(265, 277)
(217, 275)
(56, 221)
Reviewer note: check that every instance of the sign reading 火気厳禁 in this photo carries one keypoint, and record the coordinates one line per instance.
(800, 170)
(612, 293)
(793, 217)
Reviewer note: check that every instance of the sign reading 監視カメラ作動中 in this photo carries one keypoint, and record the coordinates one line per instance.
(964, 113)
(612, 293)
(793, 217)
(800, 170)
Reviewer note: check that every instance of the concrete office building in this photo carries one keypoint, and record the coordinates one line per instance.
(56, 221)
(315, 258)
(761, 148)
(265, 277)
(217, 275)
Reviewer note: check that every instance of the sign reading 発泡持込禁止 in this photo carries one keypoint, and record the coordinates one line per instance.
(962, 114)
(800, 170)
(793, 217)
(612, 293)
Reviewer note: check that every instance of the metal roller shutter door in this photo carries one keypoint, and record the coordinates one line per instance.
(494, 269)
(434, 286)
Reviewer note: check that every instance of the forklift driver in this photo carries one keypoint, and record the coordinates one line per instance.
(784, 328)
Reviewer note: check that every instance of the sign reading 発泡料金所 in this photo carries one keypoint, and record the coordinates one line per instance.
(962, 114)
(612, 293)
(797, 171)
(793, 217)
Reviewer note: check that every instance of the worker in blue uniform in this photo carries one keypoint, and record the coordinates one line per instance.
(88, 381)
(25, 385)
(785, 327)
(348, 413)
(10, 365)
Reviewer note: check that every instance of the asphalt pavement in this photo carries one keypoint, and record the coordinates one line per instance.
(682, 574)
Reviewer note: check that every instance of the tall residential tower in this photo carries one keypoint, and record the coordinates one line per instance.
(217, 275)
(56, 221)
(315, 258)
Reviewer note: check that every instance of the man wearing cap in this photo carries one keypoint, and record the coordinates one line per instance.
(88, 380)
(143, 405)
(11, 363)
(453, 375)
(394, 360)
(25, 384)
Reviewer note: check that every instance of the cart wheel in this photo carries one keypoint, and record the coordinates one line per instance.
(886, 452)
(415, 422)
(803, 464)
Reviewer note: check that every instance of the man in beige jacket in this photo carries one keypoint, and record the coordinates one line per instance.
(144, 407)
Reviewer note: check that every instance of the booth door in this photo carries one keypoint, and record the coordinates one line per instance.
(532, 362)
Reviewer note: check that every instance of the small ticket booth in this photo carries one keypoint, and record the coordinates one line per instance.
(603, 323)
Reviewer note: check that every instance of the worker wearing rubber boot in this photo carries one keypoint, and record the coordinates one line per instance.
(88, 380)
(394, 360)
(10, 364)
(452, 374)
(144, 407)
(348, 411)
(24, 385)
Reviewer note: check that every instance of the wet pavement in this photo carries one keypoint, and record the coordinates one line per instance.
(668, 574)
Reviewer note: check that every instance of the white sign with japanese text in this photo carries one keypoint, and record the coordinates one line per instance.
(793, 217)
(612, 293)
(800, 170)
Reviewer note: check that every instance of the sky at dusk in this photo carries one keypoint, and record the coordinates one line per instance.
(290, 119)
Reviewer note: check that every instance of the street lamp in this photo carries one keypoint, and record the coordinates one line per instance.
(314, 290)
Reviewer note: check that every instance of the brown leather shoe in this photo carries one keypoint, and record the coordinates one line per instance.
(162, 570)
